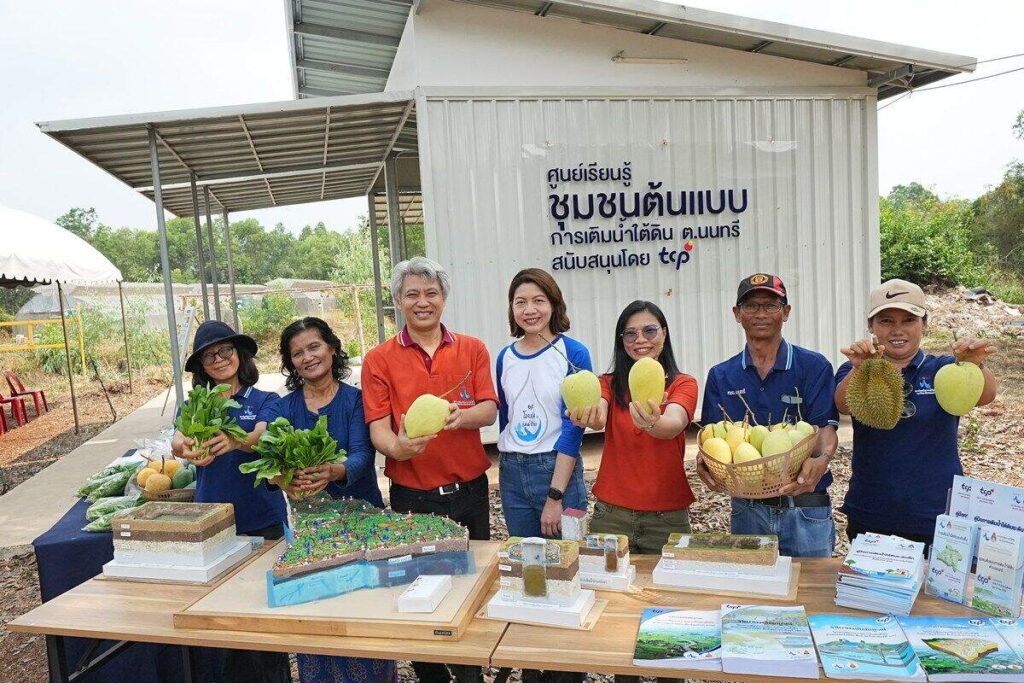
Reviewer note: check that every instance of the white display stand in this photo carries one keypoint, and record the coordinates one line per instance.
(620, 581)
(230, 557)
(542, 613)
(780, 582)
(424, 594)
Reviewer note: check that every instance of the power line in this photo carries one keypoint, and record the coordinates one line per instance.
(950, 85)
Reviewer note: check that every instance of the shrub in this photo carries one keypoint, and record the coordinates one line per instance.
(263, 320)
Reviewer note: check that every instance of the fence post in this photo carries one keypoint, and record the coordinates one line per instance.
(81, 337)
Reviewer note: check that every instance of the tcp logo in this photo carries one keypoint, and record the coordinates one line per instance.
(986, 492)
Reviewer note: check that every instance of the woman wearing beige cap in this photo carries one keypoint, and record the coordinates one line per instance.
(900, 476)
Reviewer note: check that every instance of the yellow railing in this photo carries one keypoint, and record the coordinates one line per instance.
(31, 344)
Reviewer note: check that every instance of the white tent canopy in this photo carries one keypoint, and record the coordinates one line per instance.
(37, 252)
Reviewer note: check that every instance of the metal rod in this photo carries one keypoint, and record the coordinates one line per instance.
(231, 272)
(124, 330)
(214, 277)
(165, 265)
(359, 321)
(200, 259)
(378, 290)
(67, 355)
(81, 337)
(394, 214)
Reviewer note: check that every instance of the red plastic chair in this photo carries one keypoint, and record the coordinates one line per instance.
(18, 390)
(3, 422)
(18, 410)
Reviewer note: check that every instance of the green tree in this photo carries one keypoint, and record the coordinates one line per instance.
(999, 220)
(81, 222)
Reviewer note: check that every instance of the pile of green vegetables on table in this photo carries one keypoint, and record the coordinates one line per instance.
(284, 449)
(105, 490)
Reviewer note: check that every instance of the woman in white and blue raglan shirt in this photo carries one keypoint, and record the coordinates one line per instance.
(541, 471)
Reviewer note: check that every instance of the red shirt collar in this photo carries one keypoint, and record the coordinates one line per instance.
(405, 339)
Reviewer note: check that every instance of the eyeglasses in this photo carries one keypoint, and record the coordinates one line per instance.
(650, 333)
(223, 353)
(752, 307)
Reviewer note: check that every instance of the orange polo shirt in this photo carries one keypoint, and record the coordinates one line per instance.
(638, 471)
(398, 371)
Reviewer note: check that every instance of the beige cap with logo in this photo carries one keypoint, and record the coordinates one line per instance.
(900, 294)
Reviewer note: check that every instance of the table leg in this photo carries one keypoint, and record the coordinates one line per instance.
(56, 659)
(189, 665)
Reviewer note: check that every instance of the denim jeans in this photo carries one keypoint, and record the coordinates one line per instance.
(802, 531)
(524, 480)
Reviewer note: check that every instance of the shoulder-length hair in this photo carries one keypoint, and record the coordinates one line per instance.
(339, 359)
(622, 363)
(248, 373)
(547, 284)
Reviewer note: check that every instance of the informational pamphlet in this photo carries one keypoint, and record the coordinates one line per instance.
(987, 502)
(961, 649)
(881, 574)
(767, 640)
(867, 648)
(673, 638)
(950, 564)
(1012, 631)
(1000, 574)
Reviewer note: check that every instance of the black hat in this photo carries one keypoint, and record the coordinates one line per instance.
(763, 283)
(214, 332)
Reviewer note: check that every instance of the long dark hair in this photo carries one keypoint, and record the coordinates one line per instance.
(622, 363)
(248, 373)
(339, 359)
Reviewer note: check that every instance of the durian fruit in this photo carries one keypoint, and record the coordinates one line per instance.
(958, 386)
(581, 390)
(875, 393)
(426, 416)
(647, 382)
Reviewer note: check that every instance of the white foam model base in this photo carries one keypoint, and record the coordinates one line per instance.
(233, 554)
(606, 581)
(175, 554)
(778, 583)
(721, 567)
(424, 594)
(570, 616)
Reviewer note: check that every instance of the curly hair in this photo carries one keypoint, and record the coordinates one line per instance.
(339, 359)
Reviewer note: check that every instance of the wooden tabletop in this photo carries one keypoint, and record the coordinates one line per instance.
(143, 612)
(608, 649)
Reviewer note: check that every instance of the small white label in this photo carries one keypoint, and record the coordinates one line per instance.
(429, 548)
(505, 582)
(665, 553)
(504, 568)
(503, 554)
(126, 526)
(125, 534)
(399, 560)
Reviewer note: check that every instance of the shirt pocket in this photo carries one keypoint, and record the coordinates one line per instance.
(459, 387)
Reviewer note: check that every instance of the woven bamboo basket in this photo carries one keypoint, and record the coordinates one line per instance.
(762, 478)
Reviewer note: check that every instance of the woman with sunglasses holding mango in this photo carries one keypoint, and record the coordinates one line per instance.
(641, 486)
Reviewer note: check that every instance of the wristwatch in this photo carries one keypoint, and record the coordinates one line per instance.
(555, 494)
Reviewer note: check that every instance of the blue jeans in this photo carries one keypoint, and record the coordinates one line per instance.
(802, 531)
(524, 480)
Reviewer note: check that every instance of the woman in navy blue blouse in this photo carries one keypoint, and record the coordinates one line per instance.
(315, 365)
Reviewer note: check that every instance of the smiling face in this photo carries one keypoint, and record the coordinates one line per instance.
(311, 355)
(421, 302)
(899, 331)
(531, 309)
(761, 315)
(220, 370)
(643, 324)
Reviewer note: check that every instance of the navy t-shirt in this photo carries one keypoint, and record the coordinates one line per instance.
(221, 482)
(345, 424)
(800, 379)
(900, 476)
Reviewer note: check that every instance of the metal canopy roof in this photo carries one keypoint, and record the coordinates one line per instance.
(251, 156)
(890, 67)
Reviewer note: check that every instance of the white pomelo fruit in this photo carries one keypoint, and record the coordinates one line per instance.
(958, 387)
(718, 449)
(581, 390)
(426, 416)
(647, 383)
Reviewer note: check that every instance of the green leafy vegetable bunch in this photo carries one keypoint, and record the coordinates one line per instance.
(284, 449)
(206, 413)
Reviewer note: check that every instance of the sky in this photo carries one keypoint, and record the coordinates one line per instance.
(63, 59)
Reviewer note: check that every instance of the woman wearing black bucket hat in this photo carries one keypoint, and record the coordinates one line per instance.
(222, 356)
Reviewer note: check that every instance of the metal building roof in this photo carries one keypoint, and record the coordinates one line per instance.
(353, 35)
(251, 156)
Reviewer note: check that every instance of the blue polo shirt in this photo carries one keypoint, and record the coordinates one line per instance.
(221, 482)
(345, 424)
(900, 476)
(800, 378)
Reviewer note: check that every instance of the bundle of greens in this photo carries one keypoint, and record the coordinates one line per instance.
(285, 449)
(107, 506)
(98, 479)
(206, 413)
(113, 485)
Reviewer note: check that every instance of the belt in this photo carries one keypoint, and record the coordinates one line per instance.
(805, 500)
(446, 490)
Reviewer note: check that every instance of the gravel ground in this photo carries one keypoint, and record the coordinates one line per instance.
(990, 439)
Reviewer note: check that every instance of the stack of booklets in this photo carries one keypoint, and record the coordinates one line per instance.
(864, 648)
(963, 648)
(881, 574)
(770, 641)
(672, 638)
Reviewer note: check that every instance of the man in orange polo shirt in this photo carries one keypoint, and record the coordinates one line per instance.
(444, 474)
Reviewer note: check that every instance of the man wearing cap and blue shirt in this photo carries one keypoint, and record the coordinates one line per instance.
(778, 380)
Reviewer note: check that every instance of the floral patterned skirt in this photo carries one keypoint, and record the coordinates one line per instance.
(324, 669)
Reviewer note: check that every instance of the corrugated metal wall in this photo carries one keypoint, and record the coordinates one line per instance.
(807, 162)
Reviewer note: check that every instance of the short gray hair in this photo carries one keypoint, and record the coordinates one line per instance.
(425, 268)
